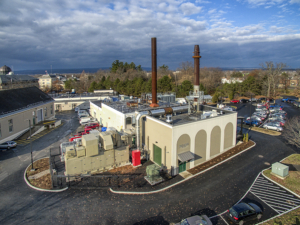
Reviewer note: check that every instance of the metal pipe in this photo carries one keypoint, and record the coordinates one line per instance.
(139, 116)
(154, 72)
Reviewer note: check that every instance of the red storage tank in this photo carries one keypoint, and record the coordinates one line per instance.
(136, 158)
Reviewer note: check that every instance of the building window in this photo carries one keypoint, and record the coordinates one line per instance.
(45, 111)
(51, 109)
(10, 125)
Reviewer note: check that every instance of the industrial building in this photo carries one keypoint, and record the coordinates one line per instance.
(174, 136)
(18, 106)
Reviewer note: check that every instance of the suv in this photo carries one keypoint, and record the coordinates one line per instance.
(8, 144)
(244, 100)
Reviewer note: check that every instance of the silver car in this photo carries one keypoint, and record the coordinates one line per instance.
(252, 100)
(273, 126)
(8, 145)
(195, 220)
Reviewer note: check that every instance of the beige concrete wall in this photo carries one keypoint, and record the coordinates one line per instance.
(20, 121)
(206, 125)
(112, 118)
(161, 136)
(68, 105)
(96, 112)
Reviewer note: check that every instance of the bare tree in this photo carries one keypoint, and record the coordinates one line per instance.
(292, 131)
(272, 76)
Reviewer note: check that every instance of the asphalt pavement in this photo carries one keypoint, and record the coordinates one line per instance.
(211, 193)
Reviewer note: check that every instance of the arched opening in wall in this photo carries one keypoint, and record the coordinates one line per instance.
(228, 135)
(184, 154)
(200, 147)
(215, 141)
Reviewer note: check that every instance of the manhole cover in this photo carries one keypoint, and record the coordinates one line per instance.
(260, 156)
(266, 163)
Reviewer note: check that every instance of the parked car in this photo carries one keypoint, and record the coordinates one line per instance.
(280, 121)
(261, 114)
(284, 99)
(252, 100)
(73, 138)
(275, 109)
(8, 145)
(275, 105)
(244, 212)
(234, 101)
(279, 115)
(195, 220)
(272, 126)
(263, 108)
(260, 104)
(279, 112)
(243, 100)
(261, 99)
(254, 123)
(297, 104)
(255, 118)
(92, 125)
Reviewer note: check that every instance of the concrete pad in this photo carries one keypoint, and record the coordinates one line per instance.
(185, 174)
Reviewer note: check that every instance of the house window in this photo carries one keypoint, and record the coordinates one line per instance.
(10, 125)
(51, 109)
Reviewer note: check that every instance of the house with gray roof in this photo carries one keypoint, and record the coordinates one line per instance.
(18, 106)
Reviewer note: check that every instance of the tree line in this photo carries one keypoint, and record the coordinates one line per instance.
(130, 79)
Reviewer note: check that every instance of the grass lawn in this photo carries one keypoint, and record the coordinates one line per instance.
(293, 183)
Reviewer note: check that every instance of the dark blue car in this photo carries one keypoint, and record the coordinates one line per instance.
(244, 212)
(284, 99)
(254, 123)
(275, 105)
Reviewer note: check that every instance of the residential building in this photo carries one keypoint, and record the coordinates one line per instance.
(18, 106)
(45, 81)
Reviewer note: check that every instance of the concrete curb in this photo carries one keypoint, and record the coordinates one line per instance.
(283, 188)
(163, 189)
(263, 132)
(40, 189)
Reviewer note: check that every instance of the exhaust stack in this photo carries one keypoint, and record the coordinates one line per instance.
(154, 72)
(196, 68)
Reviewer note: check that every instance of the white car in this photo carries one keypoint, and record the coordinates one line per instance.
(252, 100)
(261, 114)
(8, 145)
(255, 118)
(272, 126)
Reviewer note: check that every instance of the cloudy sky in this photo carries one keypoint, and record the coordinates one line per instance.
(35, 34)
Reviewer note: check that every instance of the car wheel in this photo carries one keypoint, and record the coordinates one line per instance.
(259, 216)
(241, 222)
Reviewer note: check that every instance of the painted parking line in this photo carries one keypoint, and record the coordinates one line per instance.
(224, 219)
(274, 196)
(3, 175)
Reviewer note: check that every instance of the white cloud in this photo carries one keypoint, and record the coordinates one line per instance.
(90, 32)
(295, 1)
(189, 8)
(202, 1)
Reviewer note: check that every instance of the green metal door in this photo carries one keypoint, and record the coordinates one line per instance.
(157, 154)
(182, 167)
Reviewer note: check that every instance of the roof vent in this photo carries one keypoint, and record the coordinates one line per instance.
(169, 118)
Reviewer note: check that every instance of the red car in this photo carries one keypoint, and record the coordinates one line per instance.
(93, 126)
(72, 138)
(235, 101)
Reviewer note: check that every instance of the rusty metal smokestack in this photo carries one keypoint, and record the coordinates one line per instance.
(196, 68)
(154, 72)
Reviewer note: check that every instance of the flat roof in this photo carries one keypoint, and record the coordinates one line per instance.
(122, 107)
(185, 118)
